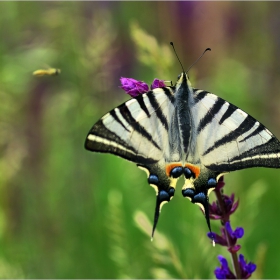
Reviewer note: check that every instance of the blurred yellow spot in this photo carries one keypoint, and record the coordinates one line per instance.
(47, 72)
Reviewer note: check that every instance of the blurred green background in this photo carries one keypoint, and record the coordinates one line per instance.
(69, 213)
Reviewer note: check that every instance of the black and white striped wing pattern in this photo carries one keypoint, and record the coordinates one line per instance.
(181, 131)
(229, 139)
(137, 130)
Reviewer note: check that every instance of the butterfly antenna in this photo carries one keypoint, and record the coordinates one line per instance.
(171, 43)
(208, 49)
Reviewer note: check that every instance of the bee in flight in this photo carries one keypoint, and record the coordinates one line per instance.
(47, 72)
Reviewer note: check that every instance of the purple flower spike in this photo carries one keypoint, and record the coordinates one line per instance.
(217, 238)
(222, 209)
(133, 87)
(228, 237)
(157, 84)
(246, 269)
(223, 272)
(230, 207)
(234, 249)
(233, 236)
(238, 233)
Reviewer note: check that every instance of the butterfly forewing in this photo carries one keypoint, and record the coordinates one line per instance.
(235, 140)
(136, 130)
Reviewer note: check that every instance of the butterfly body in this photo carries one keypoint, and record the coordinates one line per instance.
(182, 131)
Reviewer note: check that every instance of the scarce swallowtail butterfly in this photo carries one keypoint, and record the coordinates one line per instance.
(178, 131)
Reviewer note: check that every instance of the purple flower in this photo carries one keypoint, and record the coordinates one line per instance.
(238, 233)
(216, 212)
(246, 269)
(133, 87)
(230, 206)
(157, 84)
(222, 209)
(223, 272)
(228, 237)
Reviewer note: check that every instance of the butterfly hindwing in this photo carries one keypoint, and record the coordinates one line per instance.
(137, 130)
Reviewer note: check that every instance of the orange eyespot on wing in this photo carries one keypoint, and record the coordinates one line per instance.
(170, 166)
(195, 169)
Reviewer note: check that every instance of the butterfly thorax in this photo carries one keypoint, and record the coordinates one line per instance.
(181, 130)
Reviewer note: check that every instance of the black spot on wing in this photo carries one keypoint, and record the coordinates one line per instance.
(157, 109)
(210, 114)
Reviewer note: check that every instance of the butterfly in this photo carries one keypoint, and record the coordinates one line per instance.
(179, 130)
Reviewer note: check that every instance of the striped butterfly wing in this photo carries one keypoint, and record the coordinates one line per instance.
(229, 139)
(137, 130)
